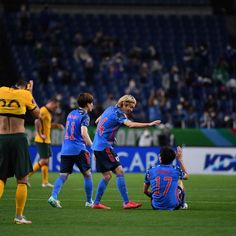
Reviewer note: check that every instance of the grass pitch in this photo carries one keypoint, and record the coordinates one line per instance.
(211, 200)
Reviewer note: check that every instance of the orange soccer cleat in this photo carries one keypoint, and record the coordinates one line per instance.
(131, 205)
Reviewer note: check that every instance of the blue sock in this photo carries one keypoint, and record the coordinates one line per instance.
(88, 187)
(100, 190)
(120, 182)
(57, 185)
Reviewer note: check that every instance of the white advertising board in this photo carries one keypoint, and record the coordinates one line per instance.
(210, 160)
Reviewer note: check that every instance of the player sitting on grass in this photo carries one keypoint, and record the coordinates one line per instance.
(167, 190)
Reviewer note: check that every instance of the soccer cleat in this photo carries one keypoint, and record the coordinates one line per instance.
(100, 206)
(131, 205)
(48, 185)
(184, 207)
(54, 203)
(21, 221)
(89, 204)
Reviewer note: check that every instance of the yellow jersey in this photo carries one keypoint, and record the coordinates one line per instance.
(46, 119)
(15, 102)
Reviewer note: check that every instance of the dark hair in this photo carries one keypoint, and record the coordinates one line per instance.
(167, 155)
(54, 99)
(21, 83)
(84, 99)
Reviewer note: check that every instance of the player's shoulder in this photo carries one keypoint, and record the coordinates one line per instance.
(152, 169)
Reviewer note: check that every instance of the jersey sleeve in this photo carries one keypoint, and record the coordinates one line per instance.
(42, 114)
(121, 118)
(30, 104)
(147, 177)
(85, 121)
(180, 172)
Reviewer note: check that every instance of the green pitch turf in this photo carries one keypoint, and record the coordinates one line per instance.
(211, 199)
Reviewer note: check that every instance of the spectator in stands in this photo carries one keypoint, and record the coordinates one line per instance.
(207, 120)
(202, 60)
(179, 117)
(144, 73)
(132, 88)
(110, 101)
(191, 118)
(154, 111)
(89, 71)
(220, 72)
(23, 18)
(145, 139)
(166, 138)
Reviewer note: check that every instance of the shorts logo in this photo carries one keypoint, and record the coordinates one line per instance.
(220, 162)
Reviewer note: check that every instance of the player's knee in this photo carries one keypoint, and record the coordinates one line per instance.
(87, 174)
(107, 177)
(119, 170)
(44, 162)
(22, 180)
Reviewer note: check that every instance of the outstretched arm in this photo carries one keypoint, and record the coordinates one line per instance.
(132, 124)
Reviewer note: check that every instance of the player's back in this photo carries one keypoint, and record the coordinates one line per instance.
(73, 140)
(13, 106)
(164, 185)
(15, 102)
(108, 125)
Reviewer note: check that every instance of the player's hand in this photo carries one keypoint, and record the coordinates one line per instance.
(60, 126)
(43, 136)
(179, 153)
(30, 86)
(155, 122)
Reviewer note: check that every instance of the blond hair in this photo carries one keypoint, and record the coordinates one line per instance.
(126, 98)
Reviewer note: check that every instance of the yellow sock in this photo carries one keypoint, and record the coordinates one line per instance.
(44, 174)
(2, 184)
(21, 196)
(36, 167)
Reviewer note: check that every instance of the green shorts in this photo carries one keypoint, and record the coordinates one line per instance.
(44, 150)
(14, 156)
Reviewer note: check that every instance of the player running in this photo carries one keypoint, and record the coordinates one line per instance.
(106, 159)
(74, 150)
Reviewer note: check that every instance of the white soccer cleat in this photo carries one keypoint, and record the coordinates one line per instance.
(54, 203)
(184, 207)
(89, 204)
(48, 185)
(21, 220)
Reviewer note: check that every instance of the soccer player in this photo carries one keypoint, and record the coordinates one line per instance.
(167, 190)
(106, 159)
(14, 154)
(74, 150)
(43, 127)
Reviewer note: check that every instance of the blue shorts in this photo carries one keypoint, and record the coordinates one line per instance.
(82, 161)
(106, 160)
(180, 199)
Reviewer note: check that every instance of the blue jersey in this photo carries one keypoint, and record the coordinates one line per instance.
(111, 120)
(163, 180)
(73, 142)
